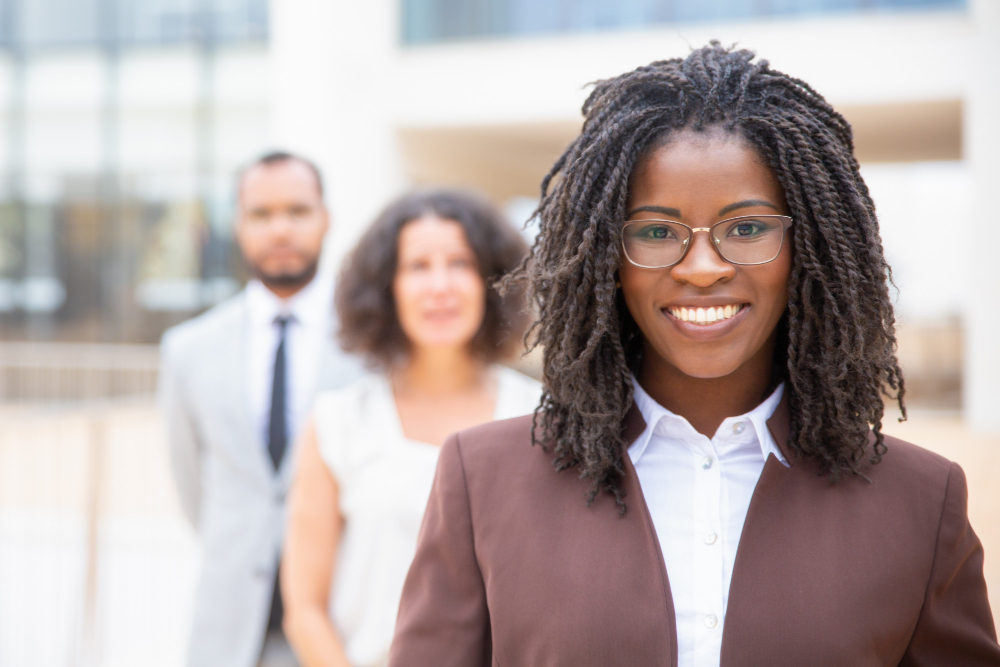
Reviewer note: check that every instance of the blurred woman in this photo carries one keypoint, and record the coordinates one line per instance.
(417, 300)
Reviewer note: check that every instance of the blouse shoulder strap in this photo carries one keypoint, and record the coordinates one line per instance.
(338, 416)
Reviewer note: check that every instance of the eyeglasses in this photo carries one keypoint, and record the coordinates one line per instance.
(747, 240)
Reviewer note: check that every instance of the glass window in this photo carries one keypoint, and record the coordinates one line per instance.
(430, 21)
(124, 232)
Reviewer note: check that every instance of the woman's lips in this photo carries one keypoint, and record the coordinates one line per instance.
(441, 315)
(706, 330)
(703, 314)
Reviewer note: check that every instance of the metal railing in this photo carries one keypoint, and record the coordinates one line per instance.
(97, 563)
(76, 372)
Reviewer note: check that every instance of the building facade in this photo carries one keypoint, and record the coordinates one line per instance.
(487, 94)
(121, 122)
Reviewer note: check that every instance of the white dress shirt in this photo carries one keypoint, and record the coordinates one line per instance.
(698, 491)
(309, 329)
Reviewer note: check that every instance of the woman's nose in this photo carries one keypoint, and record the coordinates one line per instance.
(702, 266)
(440, 279)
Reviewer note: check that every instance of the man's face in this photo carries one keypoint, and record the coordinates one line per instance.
(281, 223)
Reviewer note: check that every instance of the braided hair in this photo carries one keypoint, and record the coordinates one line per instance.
(836, 341)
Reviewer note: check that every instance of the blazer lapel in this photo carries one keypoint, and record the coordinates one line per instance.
(632, 427)
(769, 534)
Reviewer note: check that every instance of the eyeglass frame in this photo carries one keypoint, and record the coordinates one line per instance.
(787, 222)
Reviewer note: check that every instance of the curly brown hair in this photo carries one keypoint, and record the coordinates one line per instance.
(364, 298)
(836, 348)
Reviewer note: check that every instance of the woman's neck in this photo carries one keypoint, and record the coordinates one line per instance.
(440, 371)
(707, 402)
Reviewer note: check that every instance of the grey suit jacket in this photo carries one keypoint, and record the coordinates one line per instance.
(228, 486)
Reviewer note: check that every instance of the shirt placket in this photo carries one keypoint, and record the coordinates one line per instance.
(707, 550)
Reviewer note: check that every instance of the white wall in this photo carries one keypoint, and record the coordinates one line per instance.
(925, 213)
(334, 99)
(865, 59)
(981, 390)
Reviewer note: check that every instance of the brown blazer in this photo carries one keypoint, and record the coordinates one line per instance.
(513, 569)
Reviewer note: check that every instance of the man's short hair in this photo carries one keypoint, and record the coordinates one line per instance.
(278, 157)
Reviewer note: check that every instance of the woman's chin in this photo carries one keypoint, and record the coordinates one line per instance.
(703, 373)
(708, 367)
(442, 343)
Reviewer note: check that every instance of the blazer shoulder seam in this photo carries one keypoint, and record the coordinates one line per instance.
(468, 497)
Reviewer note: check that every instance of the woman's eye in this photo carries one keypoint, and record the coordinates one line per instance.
(747, 229)
(655, 233)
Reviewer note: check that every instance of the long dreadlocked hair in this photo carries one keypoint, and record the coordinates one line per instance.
(837, 343)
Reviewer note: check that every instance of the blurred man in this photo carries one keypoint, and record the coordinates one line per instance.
(236, 383)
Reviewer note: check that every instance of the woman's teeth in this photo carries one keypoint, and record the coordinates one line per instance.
(705, 315)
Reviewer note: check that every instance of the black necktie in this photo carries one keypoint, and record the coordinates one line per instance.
(277, 427)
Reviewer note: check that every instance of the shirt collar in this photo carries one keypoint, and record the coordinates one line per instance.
(655, 415)
(310, 306)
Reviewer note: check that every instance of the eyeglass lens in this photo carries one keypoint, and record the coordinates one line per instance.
(743, 240)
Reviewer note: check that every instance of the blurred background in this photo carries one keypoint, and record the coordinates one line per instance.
(123, 122)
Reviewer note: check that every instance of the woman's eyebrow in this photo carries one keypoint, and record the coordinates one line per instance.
(746, 203)
(656, 209)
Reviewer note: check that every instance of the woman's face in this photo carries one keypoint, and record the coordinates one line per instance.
(440, 296)
(700, 179)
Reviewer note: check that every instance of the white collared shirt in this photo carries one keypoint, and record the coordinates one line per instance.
(698, 491)
(308, 331)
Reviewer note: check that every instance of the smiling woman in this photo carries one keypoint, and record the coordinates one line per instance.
(718, 338)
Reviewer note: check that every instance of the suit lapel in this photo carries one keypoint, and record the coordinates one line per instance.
(632, 427)
(769, 534)
(247, 438)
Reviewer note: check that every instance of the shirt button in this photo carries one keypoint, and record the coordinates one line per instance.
(711, 621)
(706, 462)
(711, 538)
(739, 427)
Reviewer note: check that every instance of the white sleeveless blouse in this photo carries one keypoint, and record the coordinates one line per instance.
(384, 482)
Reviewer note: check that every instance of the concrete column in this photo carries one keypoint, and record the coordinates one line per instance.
(332, 68)
(981, 127)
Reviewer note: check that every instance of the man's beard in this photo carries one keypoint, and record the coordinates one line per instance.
(295, 280)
